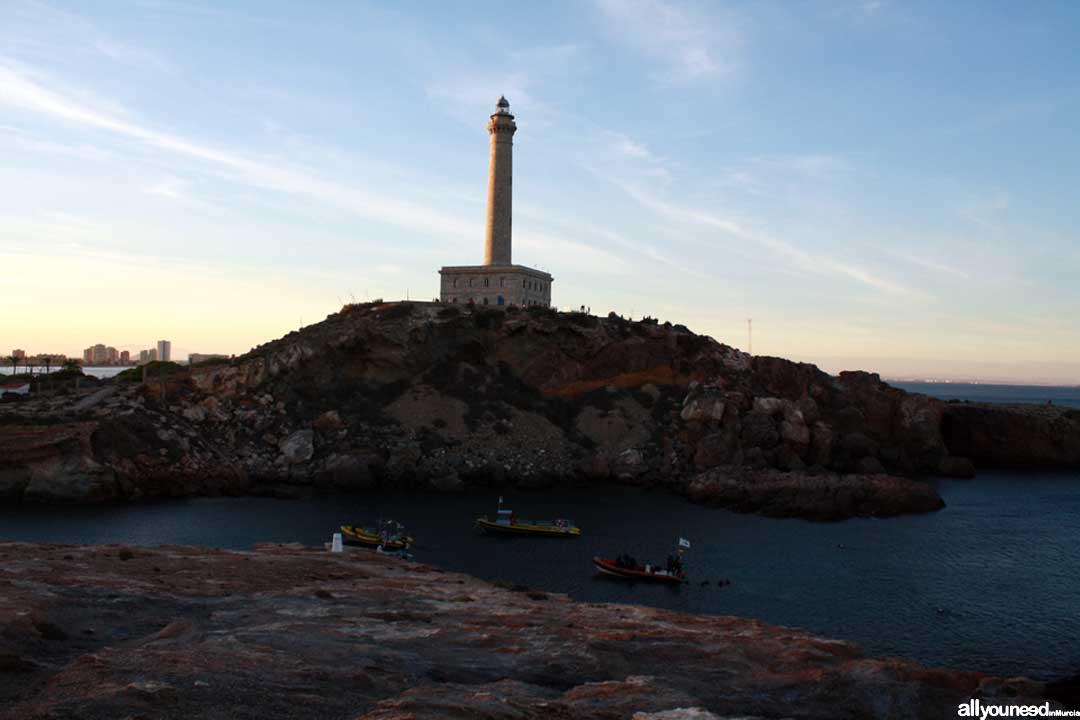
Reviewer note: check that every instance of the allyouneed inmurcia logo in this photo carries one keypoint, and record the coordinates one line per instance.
(976, 709)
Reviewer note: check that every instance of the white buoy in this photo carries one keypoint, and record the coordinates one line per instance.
(335, 546)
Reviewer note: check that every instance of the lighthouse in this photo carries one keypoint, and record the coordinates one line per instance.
(497, 245)
(497, 281)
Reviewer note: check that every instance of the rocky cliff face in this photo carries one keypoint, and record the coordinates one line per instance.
(411, 394)
(1015, 436)
(101, 633)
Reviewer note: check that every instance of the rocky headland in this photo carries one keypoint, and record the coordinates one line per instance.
(111, 632)
(1014, 436)
(423, 395)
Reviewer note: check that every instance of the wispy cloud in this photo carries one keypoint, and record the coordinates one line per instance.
(72, 31)
(547, 250)
(688, 44)
(793, 256)
(768, 175)
(926, 263)
(623, 247)
(465, 89)
(985, 211)
(19, 140)
(131, 55)
(19, 90)
(172, 188)
(628, 146)
(467, 96)
(814, 166)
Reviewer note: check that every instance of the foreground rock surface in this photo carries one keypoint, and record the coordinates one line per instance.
(455, 398)
(282, 632)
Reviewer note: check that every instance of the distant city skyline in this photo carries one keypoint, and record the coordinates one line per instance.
(989, 373)
(882, 186)
(103, 354)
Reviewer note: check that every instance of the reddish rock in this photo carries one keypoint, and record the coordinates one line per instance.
(596, 467)
(329, 422)
(703, 407)
(1014, 436)
(820, 497)
(283, 632)
(957, 467)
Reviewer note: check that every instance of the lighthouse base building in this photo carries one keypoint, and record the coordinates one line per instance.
(495, 285)
(498, 281)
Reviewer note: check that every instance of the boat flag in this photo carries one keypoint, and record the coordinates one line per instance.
(684, 543)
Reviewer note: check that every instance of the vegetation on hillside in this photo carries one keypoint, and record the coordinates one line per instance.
(153, 369)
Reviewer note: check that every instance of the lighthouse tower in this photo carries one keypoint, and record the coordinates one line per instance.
(500, 185)
(498, 281)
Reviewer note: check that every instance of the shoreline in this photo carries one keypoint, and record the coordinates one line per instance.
(835, 579)
(525, 648)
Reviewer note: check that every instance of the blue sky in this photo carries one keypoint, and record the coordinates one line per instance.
(890, 186)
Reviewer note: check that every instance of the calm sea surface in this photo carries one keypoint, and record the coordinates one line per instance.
(978, 392)
(991, 582)
(98, 372)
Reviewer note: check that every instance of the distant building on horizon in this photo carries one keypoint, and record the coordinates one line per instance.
(18, 354)
(498, 281)
(103, 355)
(164, 350)
(45, 359)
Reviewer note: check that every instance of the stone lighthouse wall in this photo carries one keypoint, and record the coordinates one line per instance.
(495, 285)
(500, 190)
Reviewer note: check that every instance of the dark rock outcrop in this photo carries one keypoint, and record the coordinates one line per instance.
(1013, 436)
(107, 632)
(827, 496)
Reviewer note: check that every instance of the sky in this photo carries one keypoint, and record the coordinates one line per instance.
(878, 185)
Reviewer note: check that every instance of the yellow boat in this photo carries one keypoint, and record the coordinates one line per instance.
(505, 523)
(392, 537)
